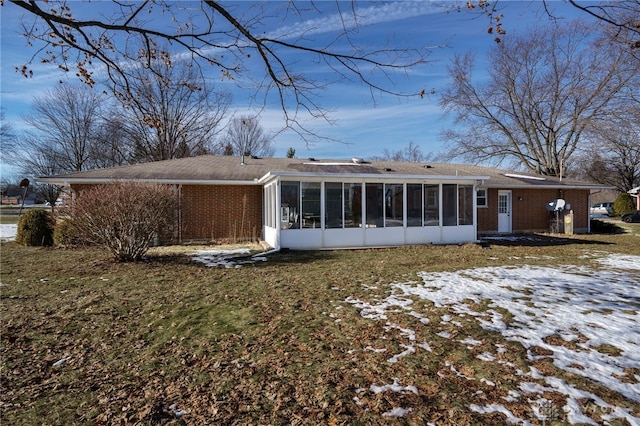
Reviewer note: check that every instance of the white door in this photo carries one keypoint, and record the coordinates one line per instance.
(504, 211)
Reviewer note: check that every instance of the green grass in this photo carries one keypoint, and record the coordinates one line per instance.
(9, 219)
(255, 345)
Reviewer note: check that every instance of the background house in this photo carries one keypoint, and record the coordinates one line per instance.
(310, 203)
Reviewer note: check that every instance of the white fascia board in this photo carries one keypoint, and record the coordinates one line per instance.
(547, 186)
(368, 177)
(81, 181)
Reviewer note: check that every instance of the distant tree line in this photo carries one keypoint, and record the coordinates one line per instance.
(161, 116)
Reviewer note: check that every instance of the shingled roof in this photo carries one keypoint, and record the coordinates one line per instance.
(209, 169)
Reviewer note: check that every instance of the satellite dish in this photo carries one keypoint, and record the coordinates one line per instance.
(556, 205)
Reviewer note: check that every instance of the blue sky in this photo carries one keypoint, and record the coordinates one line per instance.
(365, 126)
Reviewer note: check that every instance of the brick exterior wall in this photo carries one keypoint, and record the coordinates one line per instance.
(211, 212)
(529, 213)
(215, 212)
(234, 212)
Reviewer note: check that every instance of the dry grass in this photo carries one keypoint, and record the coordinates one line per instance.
(255, 345)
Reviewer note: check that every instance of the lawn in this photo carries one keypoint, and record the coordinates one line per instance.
(537, 330)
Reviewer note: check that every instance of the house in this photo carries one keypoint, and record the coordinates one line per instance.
(311, 203)
(635, 193)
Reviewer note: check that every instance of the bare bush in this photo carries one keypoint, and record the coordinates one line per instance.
(124, 217)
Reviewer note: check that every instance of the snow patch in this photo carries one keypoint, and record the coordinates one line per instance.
(394, 387)
(227, 258)
(593, 309)
(8, 232)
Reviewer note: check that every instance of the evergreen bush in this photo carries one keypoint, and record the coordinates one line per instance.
(63, 234)
(623, 204)
(35, 228)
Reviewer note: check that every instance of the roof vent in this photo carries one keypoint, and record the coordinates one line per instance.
(312, 159)
(387, 169)
(428, 166)
(357, 160)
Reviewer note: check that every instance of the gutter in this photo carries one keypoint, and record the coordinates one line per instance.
(89, 181)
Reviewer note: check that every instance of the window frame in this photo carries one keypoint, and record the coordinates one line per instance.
(484, 197)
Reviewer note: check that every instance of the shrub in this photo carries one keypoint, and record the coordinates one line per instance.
(63, 234)
(124, 217)
(623, 204)
(35, 228)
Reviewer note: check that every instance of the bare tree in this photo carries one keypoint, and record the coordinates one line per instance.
(234, 38)
(170, 113)
(63, 127)
(411, 153)
(245, 136)
(613, 155)
(112, 145)
(40, 158)
(63, 122)
(622, 18)
(545, 89)
(7, 134)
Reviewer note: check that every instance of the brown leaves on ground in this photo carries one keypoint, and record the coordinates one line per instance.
(171, 342)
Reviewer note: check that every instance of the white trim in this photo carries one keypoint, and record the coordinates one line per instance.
(509, 213)
(88, 181)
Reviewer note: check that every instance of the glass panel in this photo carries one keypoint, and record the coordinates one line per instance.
(333, 205)
(374, 206)
(352, 205)
(290, 205)
(432, 205)
(503, 203)
(393, 205)
(310, 204)
(465, 205)
(481, 198)
(449, 205)
(414, 204)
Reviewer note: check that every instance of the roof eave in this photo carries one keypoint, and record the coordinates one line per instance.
(548, 186)
(97, 181)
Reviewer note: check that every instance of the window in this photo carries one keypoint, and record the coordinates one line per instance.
(393, 201)
(290, 204)
(414, 204)
(465, 205)
(449, 205)
(431, 205)
(333, 205)
(310, 204)
(352, 205)
(374, 205)
(481, 198)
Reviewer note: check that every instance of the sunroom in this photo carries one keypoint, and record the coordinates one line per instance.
(311, 211)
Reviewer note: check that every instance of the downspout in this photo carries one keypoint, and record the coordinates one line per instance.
(180, 213)
(278, 203)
